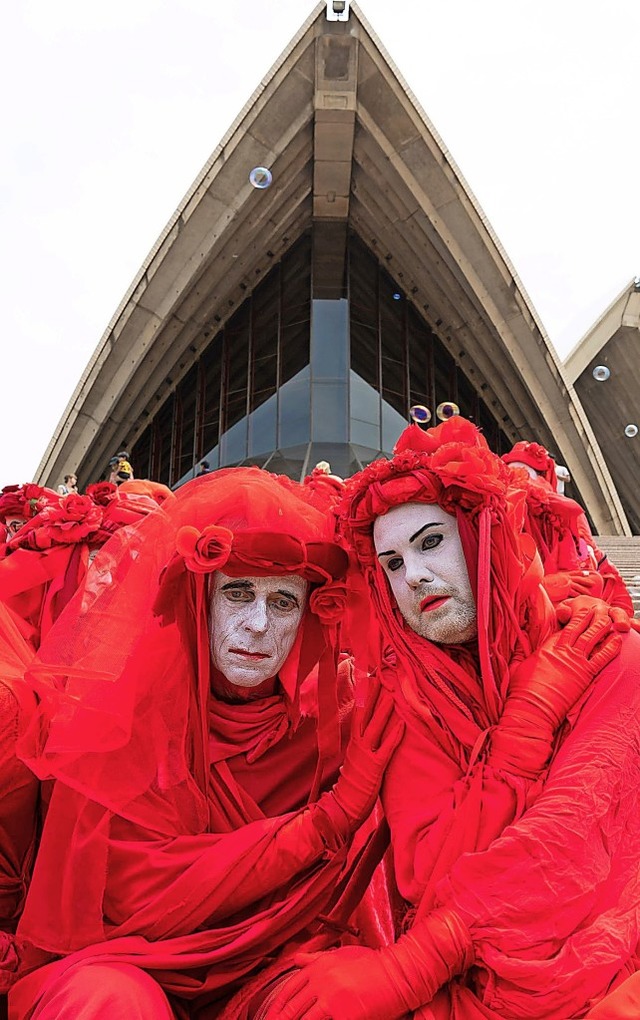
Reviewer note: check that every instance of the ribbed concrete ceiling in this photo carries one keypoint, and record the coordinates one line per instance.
(346, 143)
(614, 403)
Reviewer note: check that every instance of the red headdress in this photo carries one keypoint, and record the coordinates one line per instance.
(144, 487)
(126, 683)
(534, 456)
(25, 500)
(452, 466)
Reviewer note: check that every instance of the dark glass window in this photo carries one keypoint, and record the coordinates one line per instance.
(164, 441)
(295, 295)
(236, 365)
(210, 379)
(141, 454)
(294, 401)
(187, 400)
(265, 328)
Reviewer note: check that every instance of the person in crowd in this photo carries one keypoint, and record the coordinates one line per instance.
(120, 469)
(69, 484)
(573, 563)
(203, 468)
(513, 795)
(19, 503)
(194, 715)
(47, 559)
(19, 797)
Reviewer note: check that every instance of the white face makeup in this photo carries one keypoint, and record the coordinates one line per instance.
(13, 524)
(253, 625)
(419, 547)
(520, 464)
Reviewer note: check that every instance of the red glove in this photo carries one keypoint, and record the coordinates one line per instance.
(568, 584)
(355, 983)
(545, 687)
(375, 733)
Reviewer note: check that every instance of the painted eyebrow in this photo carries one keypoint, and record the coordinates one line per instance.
(248, 586)
(434, 524)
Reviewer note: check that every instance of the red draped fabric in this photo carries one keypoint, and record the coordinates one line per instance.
(553, 917)
(176, 839)
(541, 872)
(18, 796)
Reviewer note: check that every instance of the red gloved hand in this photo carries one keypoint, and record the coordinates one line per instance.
(546, 686)
(568, 584)
(375, 733)
(355, 983)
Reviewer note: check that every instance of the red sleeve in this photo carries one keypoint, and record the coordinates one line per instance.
(435, 812)
(552, 904)
(18, 811)
(169, 887)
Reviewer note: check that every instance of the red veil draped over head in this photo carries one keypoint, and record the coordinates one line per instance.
(162, 844)
(540, 870)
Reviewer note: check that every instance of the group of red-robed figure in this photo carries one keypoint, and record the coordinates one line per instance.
(208, 849)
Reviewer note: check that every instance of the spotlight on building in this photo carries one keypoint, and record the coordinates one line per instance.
(337, 10)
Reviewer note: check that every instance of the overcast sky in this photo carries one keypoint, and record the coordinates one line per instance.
(110, 111)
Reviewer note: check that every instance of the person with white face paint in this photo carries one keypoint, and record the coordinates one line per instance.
(254, 623)
(420, 551)
(221, 764)
(502, 832)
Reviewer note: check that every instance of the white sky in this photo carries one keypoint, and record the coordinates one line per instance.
(111, 110)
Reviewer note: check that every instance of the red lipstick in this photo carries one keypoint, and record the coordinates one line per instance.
(432, 602)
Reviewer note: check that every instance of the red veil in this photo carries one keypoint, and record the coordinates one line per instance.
(150, 836)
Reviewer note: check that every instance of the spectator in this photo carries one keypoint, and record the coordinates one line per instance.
(203, 468)
(120, 468)
(70, 484)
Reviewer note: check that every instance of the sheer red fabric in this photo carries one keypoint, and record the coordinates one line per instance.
(176, 836)
(537, 869)
(18, 796)
(47, 560)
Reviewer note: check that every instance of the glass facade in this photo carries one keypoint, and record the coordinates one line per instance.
(291, 379)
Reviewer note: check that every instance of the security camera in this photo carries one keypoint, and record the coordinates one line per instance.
(337, 10)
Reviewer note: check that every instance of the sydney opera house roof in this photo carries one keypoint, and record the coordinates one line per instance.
(604, 369)
(358, 170)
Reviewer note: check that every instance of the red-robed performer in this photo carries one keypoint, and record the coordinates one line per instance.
(47, 556)
(18, 797)
(516, 840)
(573, 563)
(198, 823)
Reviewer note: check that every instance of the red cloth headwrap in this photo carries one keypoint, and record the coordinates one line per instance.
(452, 466)
(130, 675)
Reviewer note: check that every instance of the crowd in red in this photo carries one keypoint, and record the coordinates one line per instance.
(336, 750)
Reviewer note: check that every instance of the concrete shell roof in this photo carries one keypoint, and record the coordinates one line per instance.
(346, 141)
(614, 341)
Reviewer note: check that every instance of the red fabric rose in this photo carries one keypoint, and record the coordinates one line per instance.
(102, 493)
(9, 961)
(72, 520)
(329, 603)
(204, 551)
(25, 500)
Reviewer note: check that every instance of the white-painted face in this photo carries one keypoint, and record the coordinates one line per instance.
(13, 523)
(419, 547)
(520, 464)
(253, 625)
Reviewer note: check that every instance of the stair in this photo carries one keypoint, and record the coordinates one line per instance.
(625, 554)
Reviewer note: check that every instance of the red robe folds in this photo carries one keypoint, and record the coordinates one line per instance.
(18, 796)
(198, 912)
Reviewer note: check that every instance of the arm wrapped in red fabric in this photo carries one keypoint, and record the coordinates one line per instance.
(546, 686)
(380, 984)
